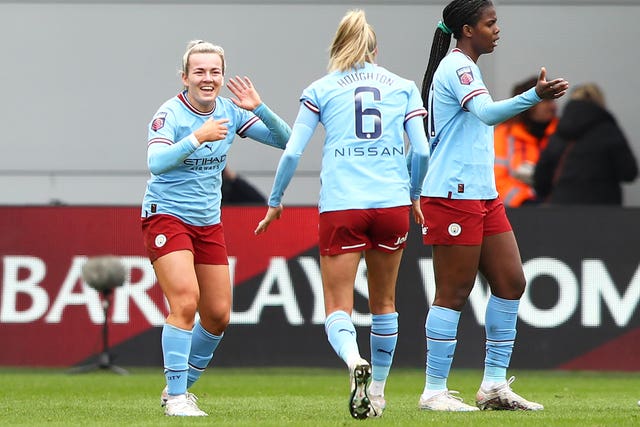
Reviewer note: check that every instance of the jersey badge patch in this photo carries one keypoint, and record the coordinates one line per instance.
(158, 121)
(465, 75)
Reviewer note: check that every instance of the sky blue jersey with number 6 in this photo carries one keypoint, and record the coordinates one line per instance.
(365, 113)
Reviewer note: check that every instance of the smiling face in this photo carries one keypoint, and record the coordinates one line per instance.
(482, 37)
(203, 79)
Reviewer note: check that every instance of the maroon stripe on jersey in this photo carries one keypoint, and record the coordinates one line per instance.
(247, 125)
(472, 94)
(185, 101)
(160, 140)
(311, 106)
(415, 113)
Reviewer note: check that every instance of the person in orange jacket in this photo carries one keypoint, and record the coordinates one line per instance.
(518, 143)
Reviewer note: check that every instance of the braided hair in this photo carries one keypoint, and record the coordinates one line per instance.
(455, 15)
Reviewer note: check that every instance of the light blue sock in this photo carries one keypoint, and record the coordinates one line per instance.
(441, 327)
(500, 326)
(342, 335)
(203, 346)
(384, 336)
(175, 351)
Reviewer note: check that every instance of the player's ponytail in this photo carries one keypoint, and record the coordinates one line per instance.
(455, 15)
(439, 49)
(353, 44)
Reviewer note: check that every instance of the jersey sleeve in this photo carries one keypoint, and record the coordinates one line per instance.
(303, 129)
(309, 99)
(492, 112)
(415, 107)
(269, 129)
(466, 83)
(418, 155)
(163, 152)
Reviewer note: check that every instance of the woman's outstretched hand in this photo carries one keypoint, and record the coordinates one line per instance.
(550, 90)
(246, 94)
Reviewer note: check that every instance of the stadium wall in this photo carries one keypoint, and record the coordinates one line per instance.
(580, 310)
(83, 78)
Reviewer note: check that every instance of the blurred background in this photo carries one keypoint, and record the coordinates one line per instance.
(82, 79)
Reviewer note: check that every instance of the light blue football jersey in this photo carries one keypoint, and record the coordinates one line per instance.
(363, 112)
(462, 150)
(191, 188)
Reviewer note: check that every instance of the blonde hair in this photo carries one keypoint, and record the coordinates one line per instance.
(353, 44)
(589, 92)
(201, 46)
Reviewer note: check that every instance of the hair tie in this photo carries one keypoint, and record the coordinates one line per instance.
(444, 28)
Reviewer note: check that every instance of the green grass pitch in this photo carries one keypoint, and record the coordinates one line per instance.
(304, 397)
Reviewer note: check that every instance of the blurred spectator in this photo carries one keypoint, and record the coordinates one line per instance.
(518, 143)
(588, 157)
(238, 191)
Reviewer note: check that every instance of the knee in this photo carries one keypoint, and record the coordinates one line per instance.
(513, 289)
(215, 321)
(222, 320)
(517, 289)
(215, 325)
(454, 298)
(185, 307)
(454, 303)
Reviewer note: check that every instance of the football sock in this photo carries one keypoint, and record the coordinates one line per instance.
(441, 328)
(500, 326)
(342, 336)
(384, 336)
(175, 351)
(203, 345)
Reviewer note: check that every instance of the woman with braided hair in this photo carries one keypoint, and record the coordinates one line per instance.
(465, 220)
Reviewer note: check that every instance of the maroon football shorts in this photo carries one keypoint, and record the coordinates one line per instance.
(461, 222)
(163, 234)
(355, 230)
